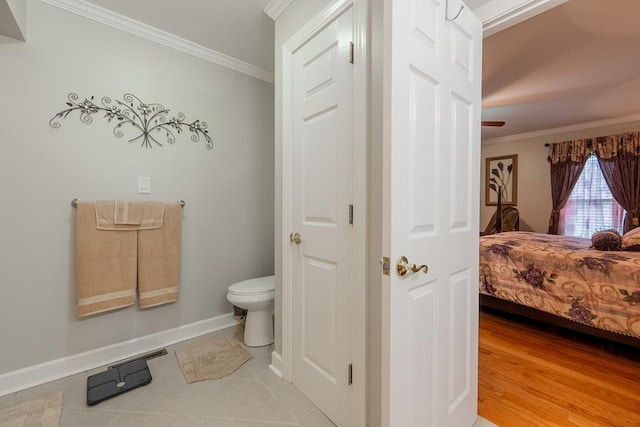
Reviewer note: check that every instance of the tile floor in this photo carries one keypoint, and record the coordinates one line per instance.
(251, 397)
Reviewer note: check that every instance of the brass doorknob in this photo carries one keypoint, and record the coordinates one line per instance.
(295, 238)
(403, 266)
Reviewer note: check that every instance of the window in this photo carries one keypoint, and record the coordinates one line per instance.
(591, 207)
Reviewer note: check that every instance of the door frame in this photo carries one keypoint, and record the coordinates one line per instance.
(358, 330)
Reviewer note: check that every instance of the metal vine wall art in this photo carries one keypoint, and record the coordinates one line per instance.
(150, 120)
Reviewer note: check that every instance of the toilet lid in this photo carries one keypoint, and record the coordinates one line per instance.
(258, 285)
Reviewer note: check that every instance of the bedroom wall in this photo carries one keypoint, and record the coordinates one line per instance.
(229, 192)
(534, 185)
(534, 182)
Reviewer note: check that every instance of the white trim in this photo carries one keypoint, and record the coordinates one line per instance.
(115, 20)
(360, 112)
(287, 220)
(31, 376)
(498, 15)
(564, 129)
(276, 7)
(276, 364)
(360, 202)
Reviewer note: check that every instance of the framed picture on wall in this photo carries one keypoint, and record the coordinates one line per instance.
(502, 175)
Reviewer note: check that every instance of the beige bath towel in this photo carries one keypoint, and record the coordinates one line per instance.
(105, 264)
(123, 215)
(159, 260)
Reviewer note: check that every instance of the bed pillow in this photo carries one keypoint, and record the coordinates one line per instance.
(607, 240)
(631, 240)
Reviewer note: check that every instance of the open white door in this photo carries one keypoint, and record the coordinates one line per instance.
(431, 165)
(322, 193)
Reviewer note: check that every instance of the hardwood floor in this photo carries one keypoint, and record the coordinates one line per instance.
(531, 376)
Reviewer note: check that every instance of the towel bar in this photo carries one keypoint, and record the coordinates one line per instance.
(74, 203)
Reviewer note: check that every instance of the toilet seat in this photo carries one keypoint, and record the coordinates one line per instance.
(253, 287)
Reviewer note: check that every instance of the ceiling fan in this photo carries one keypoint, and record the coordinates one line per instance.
(495, 123)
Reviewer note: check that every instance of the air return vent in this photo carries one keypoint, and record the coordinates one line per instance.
(147, 356)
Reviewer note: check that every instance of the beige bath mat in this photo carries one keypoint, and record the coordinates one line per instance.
(217, 358)
(43, 412)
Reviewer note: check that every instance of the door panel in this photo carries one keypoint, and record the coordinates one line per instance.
(319, 316)
(460, 334)
(461, 182)
(320, 176)
(422, 307)
(423, 184)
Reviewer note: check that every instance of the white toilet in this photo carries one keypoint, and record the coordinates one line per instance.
(256, 296)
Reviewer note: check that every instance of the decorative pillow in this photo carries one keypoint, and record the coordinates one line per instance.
(607, 240)
(631, 240)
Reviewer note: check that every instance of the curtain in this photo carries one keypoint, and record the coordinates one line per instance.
(567, 161)
(591, 206)
(619, 159)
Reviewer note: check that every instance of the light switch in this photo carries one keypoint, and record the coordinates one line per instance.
(144, 185)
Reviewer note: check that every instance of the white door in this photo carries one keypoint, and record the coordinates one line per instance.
(431, 166)
(322, 193)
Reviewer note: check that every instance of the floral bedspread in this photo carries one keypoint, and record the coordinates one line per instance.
(562, 276)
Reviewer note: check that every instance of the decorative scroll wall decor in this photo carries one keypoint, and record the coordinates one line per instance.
(150, 120)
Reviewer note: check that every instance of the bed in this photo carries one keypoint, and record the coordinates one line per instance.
(561, 280)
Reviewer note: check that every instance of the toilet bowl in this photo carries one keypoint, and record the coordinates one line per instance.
(256, 296)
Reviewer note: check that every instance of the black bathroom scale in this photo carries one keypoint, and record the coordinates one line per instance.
(117, 380)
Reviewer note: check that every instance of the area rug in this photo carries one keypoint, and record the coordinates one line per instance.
(43, 412)
(217, 358)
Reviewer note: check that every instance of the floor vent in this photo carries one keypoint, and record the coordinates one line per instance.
(147, 356)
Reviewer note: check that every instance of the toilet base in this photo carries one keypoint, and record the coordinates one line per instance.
(258, 328)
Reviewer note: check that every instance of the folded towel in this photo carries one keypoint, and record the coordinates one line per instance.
(126, 212)
(159, 260)
(145, 216)
(105, 264)
(152, 215)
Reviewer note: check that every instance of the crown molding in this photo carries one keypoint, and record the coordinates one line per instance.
(565, 129)
(498, 15)
(276, 7)
(156, 35)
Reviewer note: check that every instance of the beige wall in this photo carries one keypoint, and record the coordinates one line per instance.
(534, 185)
(228, 218)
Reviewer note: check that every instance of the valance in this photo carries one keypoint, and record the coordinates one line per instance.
(570, 151)
(606, 147)
(625, 143)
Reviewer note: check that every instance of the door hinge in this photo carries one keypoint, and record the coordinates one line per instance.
(386, 262)
(351, 53)
(350, 214)
(350, 380)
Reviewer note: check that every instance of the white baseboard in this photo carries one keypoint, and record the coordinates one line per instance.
(276, 364)
(31, 376)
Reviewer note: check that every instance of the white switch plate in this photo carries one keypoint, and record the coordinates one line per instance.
(144, 185)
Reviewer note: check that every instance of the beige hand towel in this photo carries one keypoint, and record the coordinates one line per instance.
(128, 212)
(105, 264)
(146, 215)
(159, 260)
(152, 215)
